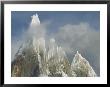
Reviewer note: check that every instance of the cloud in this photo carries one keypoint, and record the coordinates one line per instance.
(34, 31)
(83, 38)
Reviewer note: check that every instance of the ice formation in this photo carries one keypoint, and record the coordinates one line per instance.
(35, 20)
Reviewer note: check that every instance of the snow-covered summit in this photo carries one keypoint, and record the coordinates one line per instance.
(35, 20)
(82, 67)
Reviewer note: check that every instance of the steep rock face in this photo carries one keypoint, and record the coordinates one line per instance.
(82, 67)
(26, 63)
(33, 59)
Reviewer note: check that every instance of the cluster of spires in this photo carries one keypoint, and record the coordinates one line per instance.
(54, 62)
(48, 62)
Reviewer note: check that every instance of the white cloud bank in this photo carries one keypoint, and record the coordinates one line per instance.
(77, 36)
(83, 38)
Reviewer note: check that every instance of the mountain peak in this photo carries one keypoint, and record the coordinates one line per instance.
(77, 57)
(82, 67)
(35, 20)
(77, 52)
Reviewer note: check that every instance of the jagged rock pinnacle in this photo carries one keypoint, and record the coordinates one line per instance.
(82, 67)
(77, 52)
(35, 20)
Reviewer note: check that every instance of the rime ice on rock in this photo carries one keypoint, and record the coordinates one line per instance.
(35, 20)
(82, 67)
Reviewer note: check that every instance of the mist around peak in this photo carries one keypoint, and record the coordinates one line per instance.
(42, 56)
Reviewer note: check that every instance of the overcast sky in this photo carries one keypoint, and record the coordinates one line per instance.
(72, 30)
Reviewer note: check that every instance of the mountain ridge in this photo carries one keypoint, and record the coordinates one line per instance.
(51, 62)
(35, 59)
